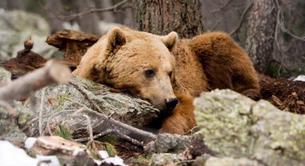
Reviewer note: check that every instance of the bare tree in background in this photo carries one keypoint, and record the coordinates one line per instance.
(58, 11)
(54, 22)
(87, 23)
(105, 16)
(13, 4)
(162, 17)
(261, 25)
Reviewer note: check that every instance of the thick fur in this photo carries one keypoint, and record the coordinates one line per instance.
(184, 68)
(182, 119)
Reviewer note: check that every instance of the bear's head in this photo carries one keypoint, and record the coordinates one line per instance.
(138, 62)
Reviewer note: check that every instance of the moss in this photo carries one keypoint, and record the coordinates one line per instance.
(139, 160)
(110, 149)
(63, 131)
(110, 139)
(276, 71)
(24, 118)
(62, 99)
(95, 146)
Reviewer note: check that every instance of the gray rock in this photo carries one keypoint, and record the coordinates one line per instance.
(169, 142)
(17, 26)
(235, 126)
(227, 161)
(5, 76)
(162, 159)
(9, 130)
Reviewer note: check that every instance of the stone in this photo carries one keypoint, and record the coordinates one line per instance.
(235, 126)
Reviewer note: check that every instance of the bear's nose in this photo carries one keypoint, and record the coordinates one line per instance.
(171, 103)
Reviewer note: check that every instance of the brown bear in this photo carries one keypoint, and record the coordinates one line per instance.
(165, 69)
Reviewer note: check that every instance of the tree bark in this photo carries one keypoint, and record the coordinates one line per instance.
(88, 23)
(15, 4)
(105, 16)
(261, 33)
(162, 17)
(55, 23)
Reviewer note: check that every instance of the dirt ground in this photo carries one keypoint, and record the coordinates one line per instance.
(285, 94)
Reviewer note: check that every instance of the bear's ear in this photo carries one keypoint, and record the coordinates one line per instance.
(170, 40)
(116, 39)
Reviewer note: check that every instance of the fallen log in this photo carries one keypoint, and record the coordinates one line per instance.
(109, 113)
(68, 104)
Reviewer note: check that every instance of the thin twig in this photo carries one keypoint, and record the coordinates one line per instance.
(103, 133)
(52, 117)
(89, 127)
(83, 92)
(221, 7)
(40, 112)
(109, 125)
(242, 18)
(120, 127)
(89, 11)
(280, 22)
(276, 33)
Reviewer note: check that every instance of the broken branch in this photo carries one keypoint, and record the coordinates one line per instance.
(122, 130)
(51, 73)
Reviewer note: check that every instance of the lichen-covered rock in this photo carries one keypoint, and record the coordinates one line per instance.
(8, 129)
(162, 159)
(227, 161)
(169, 142)
(5, 76)
(235, 126)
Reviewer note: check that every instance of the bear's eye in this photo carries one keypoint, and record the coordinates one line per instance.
(149, 73)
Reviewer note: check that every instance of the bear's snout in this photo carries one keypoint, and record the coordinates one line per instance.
(171, 103)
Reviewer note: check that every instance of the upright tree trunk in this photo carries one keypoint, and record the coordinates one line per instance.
(88, 23)
(260, 32)
(56, 7)
(107, 16)
(15, 4)
(163, 16)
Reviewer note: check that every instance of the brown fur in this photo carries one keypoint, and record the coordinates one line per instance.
(208, 61)
(182, 119)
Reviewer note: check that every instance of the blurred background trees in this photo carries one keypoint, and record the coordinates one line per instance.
(272, 31)
(162, 17)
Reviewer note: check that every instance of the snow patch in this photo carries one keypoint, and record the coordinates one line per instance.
(116, 160)
(29, 142)
(300, 78)
(10, 155)
(103, 154)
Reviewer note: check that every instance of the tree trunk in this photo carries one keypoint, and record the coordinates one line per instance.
(88, 23)
(162, 17)
(55, 23)
(260, 33)
(15, 4)
(105, 16)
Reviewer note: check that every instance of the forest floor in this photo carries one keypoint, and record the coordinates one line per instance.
(285, 94)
